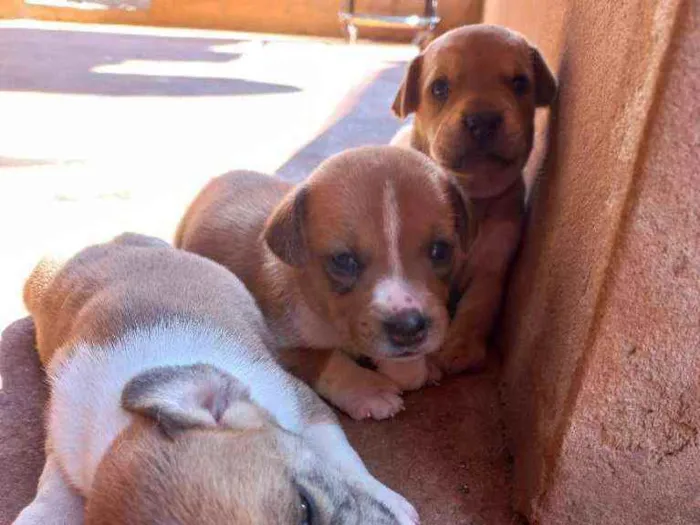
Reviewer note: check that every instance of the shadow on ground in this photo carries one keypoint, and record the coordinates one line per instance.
(35, 60)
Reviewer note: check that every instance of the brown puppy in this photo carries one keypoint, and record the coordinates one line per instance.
(167, 408)
(474, 91)
(359, 258)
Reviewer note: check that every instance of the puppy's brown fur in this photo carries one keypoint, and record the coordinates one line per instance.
(71, 304)
(474, 91)
(167, 407)
(384, 206)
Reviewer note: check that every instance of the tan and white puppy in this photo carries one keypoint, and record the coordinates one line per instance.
(355, 262)
(166, 406)
(474, 91)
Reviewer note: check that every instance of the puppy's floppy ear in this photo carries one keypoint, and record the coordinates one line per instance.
(406, 101)
(463, 212)
(197, 396)
(285, 233)
(545, 83)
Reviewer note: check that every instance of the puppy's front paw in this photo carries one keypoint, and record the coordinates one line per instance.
(409, 375)
(376, 399)
(399, 506)
(358, 392)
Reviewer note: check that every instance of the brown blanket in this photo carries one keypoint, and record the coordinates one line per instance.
(444, 453)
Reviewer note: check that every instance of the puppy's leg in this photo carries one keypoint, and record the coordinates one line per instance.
(56, 503)
(410, 375)
(465, 345)
(487, 264)
(358, 392)
(329, 442)
(308, 365)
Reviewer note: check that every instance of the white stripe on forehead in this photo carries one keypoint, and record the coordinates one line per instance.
(392, 227)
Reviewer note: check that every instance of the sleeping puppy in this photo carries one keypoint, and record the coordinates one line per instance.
(474, 91)
(355, 262)
(166, 406)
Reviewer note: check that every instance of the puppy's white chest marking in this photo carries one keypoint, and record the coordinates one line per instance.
(85, 413)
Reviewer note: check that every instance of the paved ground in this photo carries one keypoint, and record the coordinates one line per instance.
(106, 129)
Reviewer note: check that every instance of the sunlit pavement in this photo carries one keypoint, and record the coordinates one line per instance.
(108, 128)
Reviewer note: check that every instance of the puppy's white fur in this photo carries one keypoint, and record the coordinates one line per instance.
(366, 197)
(86, 414)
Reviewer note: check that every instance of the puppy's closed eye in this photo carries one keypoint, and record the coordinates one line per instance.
(307, 511)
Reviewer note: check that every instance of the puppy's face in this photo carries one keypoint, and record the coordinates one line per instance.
(474, 91)
(375, 235)
(220, 477)
(204, 454)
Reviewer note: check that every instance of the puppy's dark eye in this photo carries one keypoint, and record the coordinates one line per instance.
(343, 271)
(521, 84)
(306, 515)
(440, 89)
(440, 253)
(344, 264)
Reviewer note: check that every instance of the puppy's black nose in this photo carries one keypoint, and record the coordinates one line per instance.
(483, 125)
(407, 327)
